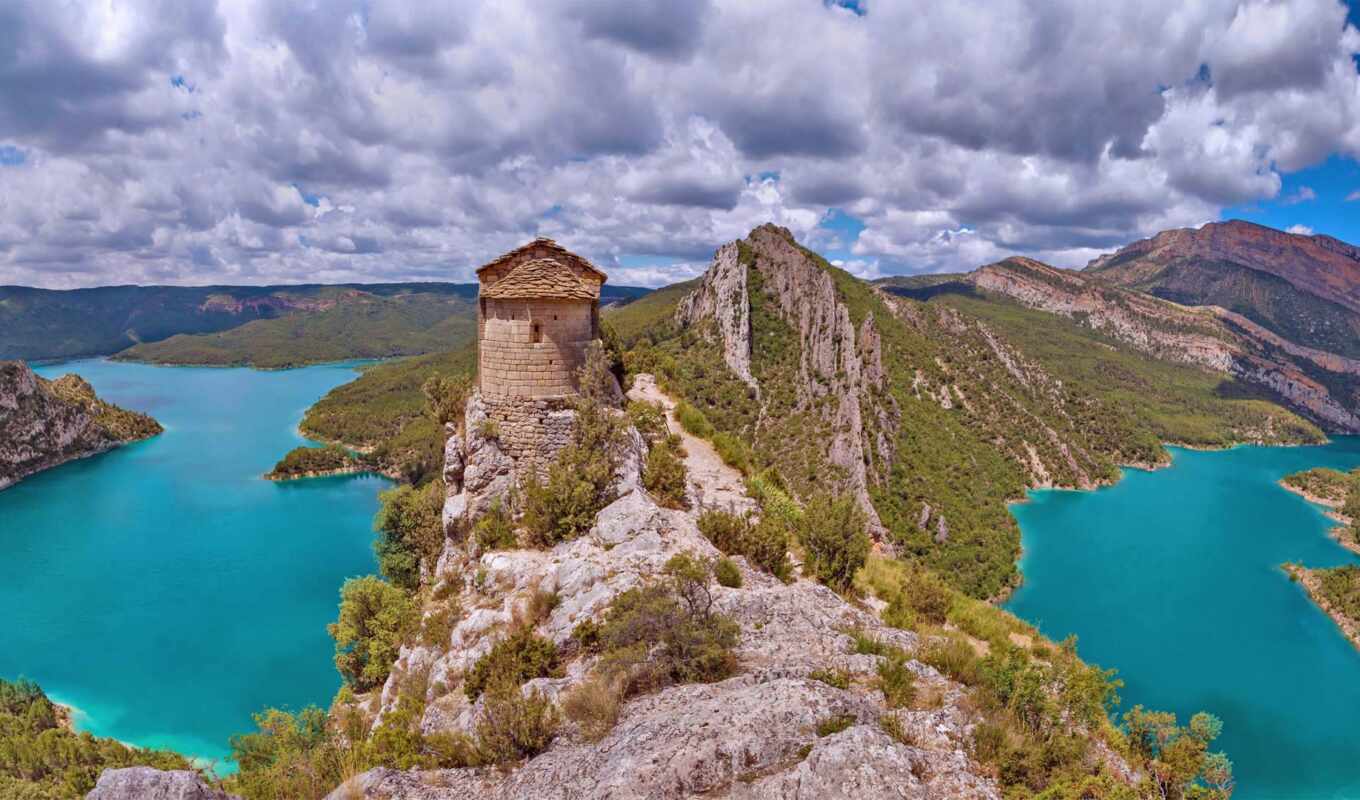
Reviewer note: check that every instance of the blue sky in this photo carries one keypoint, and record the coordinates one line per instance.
(1322, 199)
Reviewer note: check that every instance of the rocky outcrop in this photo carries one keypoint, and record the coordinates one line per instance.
(1310, 381)
(721, 297)
(45, 423)
(145, 783)
(840, 374)
(754, 735)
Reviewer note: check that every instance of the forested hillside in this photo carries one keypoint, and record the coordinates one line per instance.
(960, 400)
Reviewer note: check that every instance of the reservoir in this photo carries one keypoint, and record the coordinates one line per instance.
(1173, 578)
(165, 589)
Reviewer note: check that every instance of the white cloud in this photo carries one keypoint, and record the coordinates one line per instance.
(1302, 230)
(362, 141)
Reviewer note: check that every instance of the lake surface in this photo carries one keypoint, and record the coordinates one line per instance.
(165, 589)
(1173, 578)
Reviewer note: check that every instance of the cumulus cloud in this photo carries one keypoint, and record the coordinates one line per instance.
(276, 140)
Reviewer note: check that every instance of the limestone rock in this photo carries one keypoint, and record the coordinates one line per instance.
(145, 783)
(45, 423)
(721, 296)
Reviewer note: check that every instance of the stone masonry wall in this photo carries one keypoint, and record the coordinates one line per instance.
(530, 432)
(532, 348)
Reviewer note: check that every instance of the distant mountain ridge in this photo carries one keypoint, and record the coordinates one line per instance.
(48, 324)
(1305, 288)
(1319, 384)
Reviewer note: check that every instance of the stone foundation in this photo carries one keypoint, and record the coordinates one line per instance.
(530, 432)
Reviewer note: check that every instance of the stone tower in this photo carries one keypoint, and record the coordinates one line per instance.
(538, 311)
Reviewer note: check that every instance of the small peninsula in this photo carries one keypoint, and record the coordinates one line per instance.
(1335, 590)
(44, 423)
(316, 462)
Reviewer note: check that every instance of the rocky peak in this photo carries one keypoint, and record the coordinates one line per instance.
(840, 368)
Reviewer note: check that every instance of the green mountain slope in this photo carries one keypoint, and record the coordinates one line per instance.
(358, 326)
(938, 411)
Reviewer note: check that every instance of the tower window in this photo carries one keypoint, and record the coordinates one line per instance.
(535, 332)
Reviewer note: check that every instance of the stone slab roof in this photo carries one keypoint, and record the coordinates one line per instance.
(542, 278)
(543, 243)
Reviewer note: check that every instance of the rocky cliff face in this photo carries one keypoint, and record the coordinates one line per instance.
(45, 423)
(839, 376)
(1320, 385)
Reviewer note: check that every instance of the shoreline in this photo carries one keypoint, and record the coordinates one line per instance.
(330, 473)
(1337, 532)
(1308, 579)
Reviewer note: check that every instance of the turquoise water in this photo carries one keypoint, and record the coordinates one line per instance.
(165, 589)
(1173, 578)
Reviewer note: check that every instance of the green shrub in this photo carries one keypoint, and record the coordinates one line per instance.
(290, 756)
(375, 618)
(726, 572)
(693, 420)
(733, 451)
(838, 678)
(649, 419)
(953, 657)
(896, 681)
(521, 656)
(667, 632)
(664, 476)
(410, 525)
(893, 726)
(769, 492)
(514, 726)
(927, 596)
(727, 531)
(446, 398)
(835, 724)
(580, 479)
(495, 530)
(767, 547)
(898, 614)
(832, 533)
(863, 644)
(437, 626)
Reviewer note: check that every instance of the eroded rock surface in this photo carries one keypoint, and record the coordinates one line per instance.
(45, 423)
(145, 783)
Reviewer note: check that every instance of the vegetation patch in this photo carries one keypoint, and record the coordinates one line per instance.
(375, 619)
(304, 462)
(42, 759)
(519, 657)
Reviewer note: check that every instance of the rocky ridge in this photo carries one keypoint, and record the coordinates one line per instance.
(752, 736)
(1320, 265)
(46, 423)
(840, 376)
(1318, 384)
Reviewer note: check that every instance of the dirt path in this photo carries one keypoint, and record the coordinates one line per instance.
(712, 483)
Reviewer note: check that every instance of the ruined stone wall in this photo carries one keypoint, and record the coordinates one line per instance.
(532, 348)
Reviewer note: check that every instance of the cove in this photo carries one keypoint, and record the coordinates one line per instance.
(1172, 577)
(165, 589)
